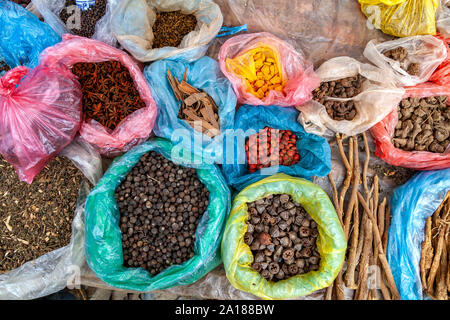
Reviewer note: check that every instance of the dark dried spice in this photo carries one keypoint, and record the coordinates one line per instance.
(4, 67)
(89, 18)
(274, 268)
(23, 3)
(171, 27)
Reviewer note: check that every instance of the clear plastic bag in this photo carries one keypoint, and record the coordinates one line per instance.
(40, 114)
(53, 271)
(428, 51)
(419, 160)
(50, 10)
(297, 72)
(378, 98)
(132, 22)
(132, 130)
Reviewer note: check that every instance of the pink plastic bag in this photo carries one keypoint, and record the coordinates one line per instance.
(418, 160)
(39, 116)
(301, 79)
(132, 130)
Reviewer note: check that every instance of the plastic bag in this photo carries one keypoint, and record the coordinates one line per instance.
(419, 160)
(132, 23)
(50, 10)
(443, 18)
(203, 74)
(442, 74)
(331, 244)
(132, 130)
(377, 98)
(402, 18)
(103, 237)
(296, 71)
(40, 113)
(55, 270)
(427, 51)
(22, 36)
(314, 150)
(411, 204)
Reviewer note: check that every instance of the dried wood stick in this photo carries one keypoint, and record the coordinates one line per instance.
(366, 162)
(383, 288)
(386, 228)
(349, 277)
(426, 254)
(362, 292)
(389, 278)
(329, 292)
(341, 151)
(436, 260)
(335, 198)
(441, 285)
(349, 173)
(355, 181)
(381, 213)
(375, 198)
(360, 238)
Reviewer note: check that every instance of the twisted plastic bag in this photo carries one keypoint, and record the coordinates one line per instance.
(103, 236)
(377, 99)
(331, 244)
(203, 74)
(132, 23)
(411, 204)
(296, 71)
(315, 159)
(22, 36)
(132, 130)
(383, 131)
(427, 51)
(402, 18)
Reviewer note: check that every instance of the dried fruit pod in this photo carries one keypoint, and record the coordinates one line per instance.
(288, 254)
(274, 268)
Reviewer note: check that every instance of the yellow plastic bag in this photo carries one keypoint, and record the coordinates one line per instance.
(402, 18)
(331, 244)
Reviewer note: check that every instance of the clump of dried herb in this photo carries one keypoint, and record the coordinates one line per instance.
(36, 219)
(171, 27)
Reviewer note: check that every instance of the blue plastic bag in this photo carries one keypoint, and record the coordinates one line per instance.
(411, 204)
(22, 36)
(315, 155)
(204, 74)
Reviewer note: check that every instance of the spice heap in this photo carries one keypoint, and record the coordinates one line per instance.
(365, 220)
(89, 17)
(109, 92)
(171, 27)
(4, 67)
(37, 218)
(196, 106)
(268, 76)
(282, 237)
(161, 204)
(343, 88)
(23, 3)
(435, 254)
(423, 124)
(397, 175)
(400, 54)
(269, 147)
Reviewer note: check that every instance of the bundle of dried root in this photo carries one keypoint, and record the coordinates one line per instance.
(435, 254)
(365, 220)
(197, 107)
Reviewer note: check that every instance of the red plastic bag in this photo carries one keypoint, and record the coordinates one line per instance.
(39, 115)
(132, 130)
(299, 73)
(442, 74)
(418, 160)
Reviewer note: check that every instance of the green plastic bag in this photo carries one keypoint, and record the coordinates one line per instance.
(104, 253)
(237, 256)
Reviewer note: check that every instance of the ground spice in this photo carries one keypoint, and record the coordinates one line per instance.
(109, 92)
(36, 219)
(171, 27)
(89, 18)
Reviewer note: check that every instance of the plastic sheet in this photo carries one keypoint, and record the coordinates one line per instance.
(296, 71)
(22, 36)
(40, 113)
(55, 270)
(411, 205)
(314, 150)
(443, 18)
(427, 51)
(50, 10)
(132, 23)
(442, 74)
(103, 237)
(203, 74)
(402, 18)
(132, 130)
(377, 99)
(331, 244)
(383, 131)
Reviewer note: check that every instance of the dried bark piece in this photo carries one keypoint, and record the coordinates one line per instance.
(426, 254)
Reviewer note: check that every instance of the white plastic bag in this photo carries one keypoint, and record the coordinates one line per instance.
(443, 18)
(132, 22)
(428, 51)
(53, 271)
(377, 99)
(50, 10)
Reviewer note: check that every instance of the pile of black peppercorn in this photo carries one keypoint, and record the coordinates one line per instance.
(161, 204)
(282, 237)
(89, 18)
